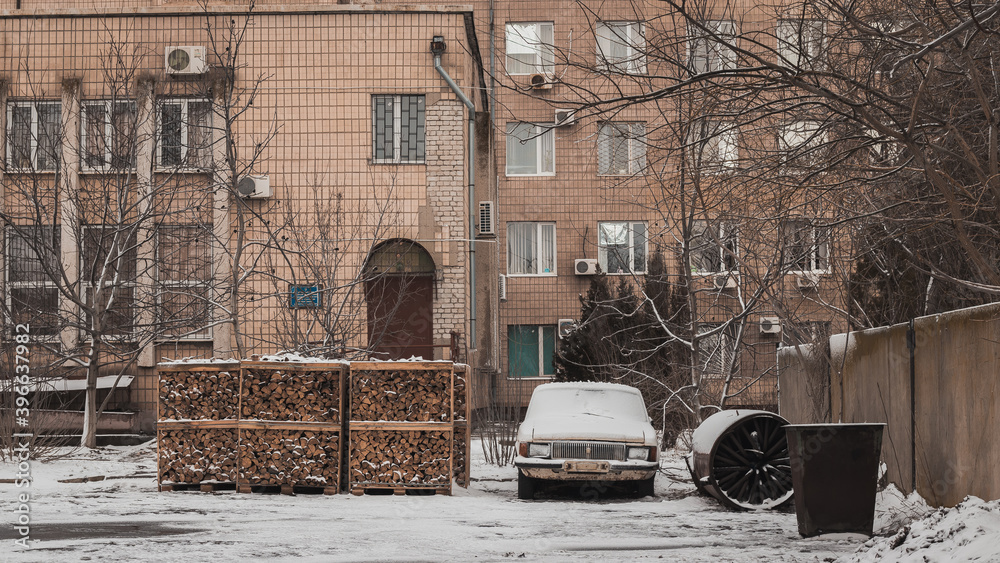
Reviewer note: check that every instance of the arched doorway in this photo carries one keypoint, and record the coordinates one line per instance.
(399, 292)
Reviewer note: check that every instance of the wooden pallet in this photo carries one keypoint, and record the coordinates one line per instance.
(359, 489)
(202, 487)
(287, 489)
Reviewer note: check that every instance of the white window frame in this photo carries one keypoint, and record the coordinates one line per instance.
(721, 238)
(535, 38)
(716, 351)
(817, 258)
(540, 251)
(543, 138)
(631, 136)
(715, 145)
(125, 282)
(627, 36)
(34, 135)
(108, 135)
(631, 228)
(541, 352)
(180, 285)
(45, 283)
(397, 130)
(705, 53)
(185, 144)
(801, 140)
(800, 41)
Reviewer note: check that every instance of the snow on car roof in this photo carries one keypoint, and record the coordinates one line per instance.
(587, 397)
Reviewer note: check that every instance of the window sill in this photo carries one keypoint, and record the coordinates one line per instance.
(396, 162)
(542, 175)
(620, 174)
(532, 378)
(545, 275)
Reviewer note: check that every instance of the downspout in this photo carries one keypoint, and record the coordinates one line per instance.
(437, 49)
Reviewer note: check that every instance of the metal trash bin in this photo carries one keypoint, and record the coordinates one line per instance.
(740, 457)
(834, 476)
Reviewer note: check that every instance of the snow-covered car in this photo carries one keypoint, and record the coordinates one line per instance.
(586, 432)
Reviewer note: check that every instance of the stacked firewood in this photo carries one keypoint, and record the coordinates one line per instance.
(195, 455)
(460, 461)
(400, 457)
(197, 394)
(401, 395)
(291, 395)
(290, 457)
(461, 393)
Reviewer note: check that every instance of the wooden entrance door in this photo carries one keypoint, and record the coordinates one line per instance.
(399, 292)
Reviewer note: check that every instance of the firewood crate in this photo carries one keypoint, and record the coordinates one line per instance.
(300, 392)
(289, 455)
(401, 392)
(461, 386)
(196, 453)
(461, 454)
(400, 457)
(199, 391)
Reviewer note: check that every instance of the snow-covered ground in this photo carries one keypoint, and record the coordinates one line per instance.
(124, 518)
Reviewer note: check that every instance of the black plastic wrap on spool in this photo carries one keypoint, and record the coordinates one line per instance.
(741, 458)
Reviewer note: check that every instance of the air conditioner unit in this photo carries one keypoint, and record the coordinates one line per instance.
(565, 117)
(585, 266)
(770, 325)
(486, 218)
(502, 288)
(724, 281)
(254, 187)
(565, 327)
(184, 60)
(807, 281)
(540, 81)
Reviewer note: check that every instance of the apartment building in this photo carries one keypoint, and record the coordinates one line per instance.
(191, 181)
(356, 158)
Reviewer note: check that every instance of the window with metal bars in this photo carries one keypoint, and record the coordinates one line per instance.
(34, 133)
(398, 129)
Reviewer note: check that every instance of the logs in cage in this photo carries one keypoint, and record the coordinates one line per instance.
(461, 393)
(401, 395)
(289, 457)
(196, 455)
(400, 457)
(460, 457)
(288, 394)
(740, 457)
(199, 392)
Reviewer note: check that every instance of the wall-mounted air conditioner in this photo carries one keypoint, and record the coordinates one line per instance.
(565, 117)
(486, 222)
(585, 266)
(254, 187)
(770, 325)
(565, 327)
(807, 281)
(724, 281)
(540, 81)
(184, 60)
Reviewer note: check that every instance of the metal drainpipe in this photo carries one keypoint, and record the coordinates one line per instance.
(472, 186)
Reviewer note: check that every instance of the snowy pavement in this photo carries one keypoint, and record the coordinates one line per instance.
(124, 518)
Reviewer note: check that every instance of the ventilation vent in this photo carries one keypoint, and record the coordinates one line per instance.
(486, 218)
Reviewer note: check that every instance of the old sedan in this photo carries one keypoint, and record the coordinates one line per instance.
(586, 432)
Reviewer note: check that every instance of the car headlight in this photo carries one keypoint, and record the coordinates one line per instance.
(539, 450)
(639, 453)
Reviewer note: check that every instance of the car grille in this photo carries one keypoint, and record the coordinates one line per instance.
(588, 450)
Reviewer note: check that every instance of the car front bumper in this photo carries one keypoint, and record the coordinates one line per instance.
(585, 469)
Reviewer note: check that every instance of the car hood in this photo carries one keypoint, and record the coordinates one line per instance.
(585, 427)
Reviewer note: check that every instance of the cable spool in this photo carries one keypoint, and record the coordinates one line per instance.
(740, 457)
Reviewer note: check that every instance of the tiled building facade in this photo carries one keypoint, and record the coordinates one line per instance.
(553, 192)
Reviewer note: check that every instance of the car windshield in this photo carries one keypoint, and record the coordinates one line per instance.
(594, 401)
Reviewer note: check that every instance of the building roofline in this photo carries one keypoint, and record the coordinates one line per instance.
(223, 9)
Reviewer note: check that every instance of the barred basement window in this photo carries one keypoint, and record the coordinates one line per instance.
(32, 260)
(397, 129)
